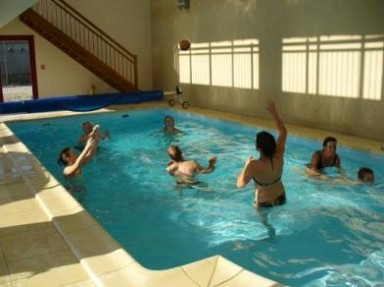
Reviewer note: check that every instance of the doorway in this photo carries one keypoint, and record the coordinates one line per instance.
(18, 80)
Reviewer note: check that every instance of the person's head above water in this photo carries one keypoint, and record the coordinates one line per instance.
(266, 144)
(329, 145)
(175, 153)
(87, 127)
(67, 155)
(169, 125)
(365, 174)
(169, 121)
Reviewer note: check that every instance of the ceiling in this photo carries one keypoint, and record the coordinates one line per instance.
(9, 10)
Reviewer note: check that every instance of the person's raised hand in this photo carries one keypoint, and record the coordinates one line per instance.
(270, 106)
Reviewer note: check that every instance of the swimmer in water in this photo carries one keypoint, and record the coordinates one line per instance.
(169, 125)
(267, 170)
(87, 130)
(366, 175)
(73, 162)
(185, 170)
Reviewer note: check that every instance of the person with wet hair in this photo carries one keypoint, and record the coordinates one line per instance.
(267, 170)
(73, 162)
(366, 175)
(327, 157)
(185, 170)
(169, 125)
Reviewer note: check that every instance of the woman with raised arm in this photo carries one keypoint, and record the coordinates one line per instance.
(266, 171)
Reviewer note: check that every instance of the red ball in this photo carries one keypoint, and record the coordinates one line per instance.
(184, 45)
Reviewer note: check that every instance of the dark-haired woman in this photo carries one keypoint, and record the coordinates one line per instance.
(169, 125)
(72, 162)
(327, 157)
(266, 171)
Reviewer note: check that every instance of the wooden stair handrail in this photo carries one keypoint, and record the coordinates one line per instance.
(64, 17)
(73, 11)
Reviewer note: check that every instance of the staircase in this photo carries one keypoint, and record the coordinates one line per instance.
(72, 33)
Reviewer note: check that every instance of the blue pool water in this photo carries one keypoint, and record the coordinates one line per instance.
(328, 234)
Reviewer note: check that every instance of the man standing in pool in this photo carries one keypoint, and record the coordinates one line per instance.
(185, 170)
(266, 171)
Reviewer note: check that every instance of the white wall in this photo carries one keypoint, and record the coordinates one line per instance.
(269, 22)
(62, 75)
(11, 9)
(127, 22)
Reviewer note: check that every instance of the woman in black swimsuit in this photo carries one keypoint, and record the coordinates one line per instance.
(266, 171)
(326, 157)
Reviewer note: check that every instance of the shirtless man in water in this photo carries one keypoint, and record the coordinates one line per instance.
(185, 170)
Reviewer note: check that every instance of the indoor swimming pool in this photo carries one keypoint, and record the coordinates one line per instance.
(330, 232)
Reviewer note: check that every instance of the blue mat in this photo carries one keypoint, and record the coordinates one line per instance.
(82, 103)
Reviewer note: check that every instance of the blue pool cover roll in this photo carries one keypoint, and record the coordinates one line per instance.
(82, 103)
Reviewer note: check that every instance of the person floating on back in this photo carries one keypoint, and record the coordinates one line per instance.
(185, 170)
(267, 170)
